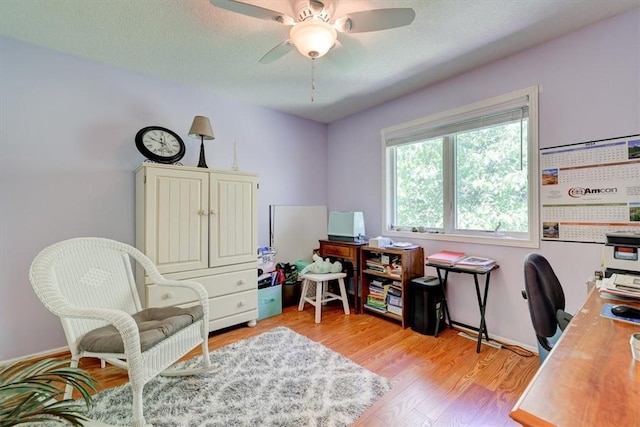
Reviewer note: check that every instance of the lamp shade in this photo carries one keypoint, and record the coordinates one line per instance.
(201, 128)
(313, 38)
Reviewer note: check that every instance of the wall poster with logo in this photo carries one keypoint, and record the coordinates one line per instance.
(590, 189)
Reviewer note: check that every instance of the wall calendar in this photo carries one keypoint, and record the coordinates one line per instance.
(590, 189)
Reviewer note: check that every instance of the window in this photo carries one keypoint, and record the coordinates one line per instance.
(468, 174)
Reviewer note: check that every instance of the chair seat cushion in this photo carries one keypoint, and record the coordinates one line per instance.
(155, 324)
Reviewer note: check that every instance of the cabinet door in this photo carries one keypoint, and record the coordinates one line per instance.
(176, 217)
(233, 221)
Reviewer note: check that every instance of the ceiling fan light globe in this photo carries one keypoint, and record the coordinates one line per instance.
(313, 38)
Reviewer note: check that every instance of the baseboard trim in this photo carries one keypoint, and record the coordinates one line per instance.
(472, 334)
(40, 355)
(491, 343)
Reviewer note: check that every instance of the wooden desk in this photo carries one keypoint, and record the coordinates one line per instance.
(589, 378)
(348, 251)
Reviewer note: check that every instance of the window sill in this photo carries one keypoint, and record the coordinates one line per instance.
(464, 238)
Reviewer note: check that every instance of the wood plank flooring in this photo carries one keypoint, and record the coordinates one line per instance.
(435, 381)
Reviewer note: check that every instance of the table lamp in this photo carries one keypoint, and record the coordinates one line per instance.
(201, 127)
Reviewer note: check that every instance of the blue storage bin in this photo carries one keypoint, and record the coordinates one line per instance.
(269, 301)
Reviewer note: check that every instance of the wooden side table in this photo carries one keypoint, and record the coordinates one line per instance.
(347, 251)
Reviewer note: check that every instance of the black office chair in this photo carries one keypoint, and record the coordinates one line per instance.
(545, 298)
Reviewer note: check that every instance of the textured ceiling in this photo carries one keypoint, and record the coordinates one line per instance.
(192, 41)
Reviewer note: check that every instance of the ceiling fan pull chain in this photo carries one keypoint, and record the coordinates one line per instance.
(313, 79)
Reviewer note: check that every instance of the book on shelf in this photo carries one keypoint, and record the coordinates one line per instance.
(378, 295)
(447, 258)
(390, 264)
(394, 300)
(394, 310)
(378, 289)
(378, 299)
(394, 290)
(375, 287)
(375, 266)
(373, 301)
(374, 308)
(376, 303)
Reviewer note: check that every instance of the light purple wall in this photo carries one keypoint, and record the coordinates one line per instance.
(590, 89)
(67, 157)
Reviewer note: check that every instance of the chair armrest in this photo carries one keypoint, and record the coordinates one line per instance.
(156, 277)
(563, 319)
(122, 321)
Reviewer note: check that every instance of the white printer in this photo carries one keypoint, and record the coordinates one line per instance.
(346, 226)
(620, 254)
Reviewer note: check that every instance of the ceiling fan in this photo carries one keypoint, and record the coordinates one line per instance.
(313, 30)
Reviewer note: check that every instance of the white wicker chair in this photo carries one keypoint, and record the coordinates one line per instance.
(89, 283)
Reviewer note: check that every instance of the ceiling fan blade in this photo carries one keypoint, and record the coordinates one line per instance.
(253, 11)
(277, 52)
(375, 20)
(346, 53)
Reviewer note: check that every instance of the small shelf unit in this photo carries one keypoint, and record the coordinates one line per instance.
(385, 278)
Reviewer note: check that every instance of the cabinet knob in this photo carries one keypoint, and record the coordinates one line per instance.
(169, 295)
(203, 212)
(241, 304)
(241, 282)
(213, 212)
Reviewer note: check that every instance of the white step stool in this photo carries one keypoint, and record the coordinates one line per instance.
(322, 295)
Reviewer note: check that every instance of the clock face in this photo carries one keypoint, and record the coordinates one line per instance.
(160, 144)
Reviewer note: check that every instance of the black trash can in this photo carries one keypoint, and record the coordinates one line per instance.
(291, 294)
(427, 316)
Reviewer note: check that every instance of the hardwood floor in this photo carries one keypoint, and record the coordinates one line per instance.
(435, 381)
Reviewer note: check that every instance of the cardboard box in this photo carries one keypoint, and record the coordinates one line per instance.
(380, 242)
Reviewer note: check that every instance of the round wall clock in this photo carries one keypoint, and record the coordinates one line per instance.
(160, 144)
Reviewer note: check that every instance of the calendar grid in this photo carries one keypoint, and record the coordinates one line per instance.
(590, 189)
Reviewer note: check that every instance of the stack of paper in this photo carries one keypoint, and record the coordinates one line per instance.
(447, 258)
(476, 263)
(621, 285)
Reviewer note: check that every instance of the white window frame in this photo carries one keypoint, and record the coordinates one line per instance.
(405, 131)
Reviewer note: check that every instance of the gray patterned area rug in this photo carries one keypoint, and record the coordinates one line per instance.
(277, 378)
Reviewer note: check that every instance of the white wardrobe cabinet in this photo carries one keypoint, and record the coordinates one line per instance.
(200, 224)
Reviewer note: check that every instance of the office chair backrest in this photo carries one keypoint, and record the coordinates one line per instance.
(545, 298)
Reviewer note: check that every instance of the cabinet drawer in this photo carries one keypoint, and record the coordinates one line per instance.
(217, 285)
(228, 283)
(229, 305)
(338, 251)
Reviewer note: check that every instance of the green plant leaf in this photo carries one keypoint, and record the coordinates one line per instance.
(33, 392)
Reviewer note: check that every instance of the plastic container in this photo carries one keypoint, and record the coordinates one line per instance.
(269, 302)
